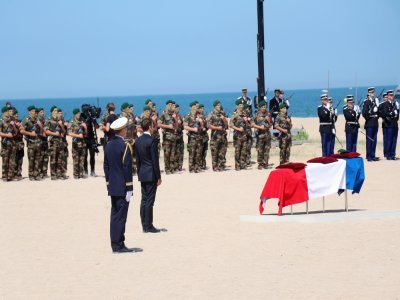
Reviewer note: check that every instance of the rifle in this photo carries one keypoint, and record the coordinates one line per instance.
(380, 95)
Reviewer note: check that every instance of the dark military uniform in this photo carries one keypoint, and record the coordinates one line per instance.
(285, 139)
(263, 143)
(217, 142)
(78, 148)
(8, 148)
(390, 118)
(239, 140)
(370, 114)
(169, 142)
(325, 129)
(351, 128)
(34, 145)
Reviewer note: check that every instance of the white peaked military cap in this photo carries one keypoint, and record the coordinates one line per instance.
(119, 123)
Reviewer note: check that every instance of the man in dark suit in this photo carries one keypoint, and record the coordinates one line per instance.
(118, 172)
(148, 170)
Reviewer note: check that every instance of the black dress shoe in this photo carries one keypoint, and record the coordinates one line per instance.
(127, 250)
(152, 230)
(376, 158)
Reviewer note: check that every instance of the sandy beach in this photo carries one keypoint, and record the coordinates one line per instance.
(55, 237)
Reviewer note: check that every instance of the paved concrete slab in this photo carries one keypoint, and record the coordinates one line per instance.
(320, 217)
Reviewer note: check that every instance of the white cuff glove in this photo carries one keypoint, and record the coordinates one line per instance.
(357, 108)
(335, 111)
(128, 196)
(333, 131)
(395, 112)
(375, 109)
(287, 103)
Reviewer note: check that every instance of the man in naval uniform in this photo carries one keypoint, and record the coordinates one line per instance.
(390, 119)
(118, 173)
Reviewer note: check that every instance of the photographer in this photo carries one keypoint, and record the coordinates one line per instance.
(89, 115)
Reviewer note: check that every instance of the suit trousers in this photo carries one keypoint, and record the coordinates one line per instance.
(372, 133)
(351, 141)
(119, 213)
(149, 190)
(326, 141)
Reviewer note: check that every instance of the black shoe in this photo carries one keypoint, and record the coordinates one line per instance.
(152, 230)
(127, 250)
(376, 158)
(93, 174)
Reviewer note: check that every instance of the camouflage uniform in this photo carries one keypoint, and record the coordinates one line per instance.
(44, 161)
(19, 155)
(239, 140)
(249, 142)
(155, 133)
(204, 143)
(285, 140)
(34, 145)
(169, 142)
(7, 149)
(64, 161)
(131, 135)
(194, 140)
(180, 146)
(218, 141)
(78, 148)
(263, 143)
(56, 149)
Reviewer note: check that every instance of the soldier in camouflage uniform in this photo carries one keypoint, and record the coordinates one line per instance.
(77, 130)
(203, 137)
(145, 114)
(31, 128)
(238, 124)
(283, 124)
(103, 122)
(44, 164)
(154, 118)
(262, 124)
(7, 132)
(180, 146)
(249, 132)
(167, 122)
(64, 131)
(19, 145)
(131, 131)
(56, 146)
(218, 124)
(194, 127)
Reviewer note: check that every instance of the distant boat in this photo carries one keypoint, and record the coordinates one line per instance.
(397, 93)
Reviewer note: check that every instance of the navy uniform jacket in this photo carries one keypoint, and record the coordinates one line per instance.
(118, 167)
(389, 114)
(371, 117)
(325, 119)
(148, 165)
(351, 120)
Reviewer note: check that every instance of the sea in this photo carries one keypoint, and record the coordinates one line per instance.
(303, 102)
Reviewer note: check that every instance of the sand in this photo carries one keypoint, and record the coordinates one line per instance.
(55, 238)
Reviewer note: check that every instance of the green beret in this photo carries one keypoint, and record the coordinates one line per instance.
(37, 109)
(146, 107)
(196, 102)
(246, 105)
(168, 102)
(4, 109)
(262, 103)
(176, 105)
(131, 105)
(59, 109)
(147, 101)
(124, 105)
(201, 105)
(193, 103)
(40, 108)
(282, 105)
(216, 102)
(31, 107)
(75, 111)
(53, 108)
(238, 102)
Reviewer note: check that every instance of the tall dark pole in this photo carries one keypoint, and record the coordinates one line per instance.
(260, 50)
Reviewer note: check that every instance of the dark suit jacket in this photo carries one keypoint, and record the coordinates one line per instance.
(118, 167)
(148, 165)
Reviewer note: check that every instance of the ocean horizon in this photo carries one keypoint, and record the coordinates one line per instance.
(303, 102)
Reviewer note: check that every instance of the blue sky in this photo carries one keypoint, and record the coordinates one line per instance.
(107, 48)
